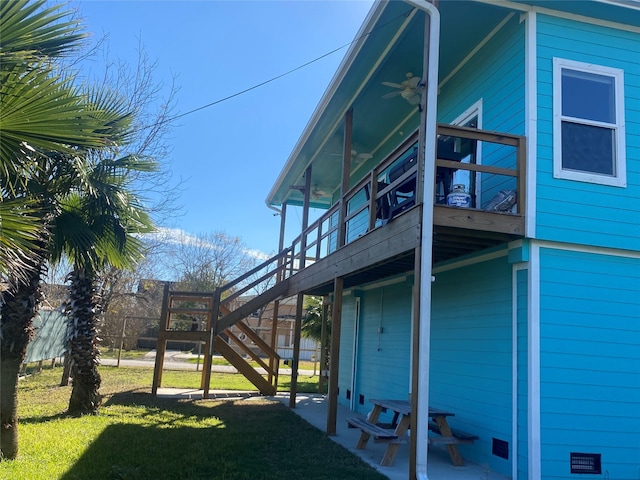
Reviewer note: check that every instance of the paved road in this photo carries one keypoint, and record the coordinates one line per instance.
(175, 360)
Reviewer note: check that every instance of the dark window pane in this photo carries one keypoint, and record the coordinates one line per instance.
(588, 149)
(589, 96)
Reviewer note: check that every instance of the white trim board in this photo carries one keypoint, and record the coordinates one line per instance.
(572, 247)
(531, 119)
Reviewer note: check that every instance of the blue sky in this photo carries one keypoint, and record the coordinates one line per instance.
(230, 154)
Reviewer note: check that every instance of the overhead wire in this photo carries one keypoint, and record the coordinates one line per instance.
(273, 79)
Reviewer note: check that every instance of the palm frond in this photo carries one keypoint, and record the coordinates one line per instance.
(40, 112)
(21, 232)
(30, 32)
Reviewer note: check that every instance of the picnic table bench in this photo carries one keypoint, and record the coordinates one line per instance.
(457, 436)
(396, 435)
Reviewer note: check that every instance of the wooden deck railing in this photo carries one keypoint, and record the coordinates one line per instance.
(367, 197)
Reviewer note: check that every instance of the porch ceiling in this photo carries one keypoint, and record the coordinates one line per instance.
(391, 45)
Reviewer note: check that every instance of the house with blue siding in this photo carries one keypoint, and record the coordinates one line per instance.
(476, 166)
(525, 316)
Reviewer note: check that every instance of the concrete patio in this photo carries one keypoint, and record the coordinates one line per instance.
(313, 409)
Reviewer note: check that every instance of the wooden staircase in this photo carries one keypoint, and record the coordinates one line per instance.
(206, 317)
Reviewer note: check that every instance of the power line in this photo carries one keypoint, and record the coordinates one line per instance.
(273, 79)
(257, 85)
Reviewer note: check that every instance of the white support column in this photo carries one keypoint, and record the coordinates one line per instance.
(428, 134)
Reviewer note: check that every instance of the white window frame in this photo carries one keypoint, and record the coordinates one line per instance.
(619, 178)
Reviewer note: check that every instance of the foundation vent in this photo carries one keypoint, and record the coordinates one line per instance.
(586, 463)
(361, 399)
(500, 448)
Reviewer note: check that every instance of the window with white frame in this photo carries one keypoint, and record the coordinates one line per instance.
(588, 123)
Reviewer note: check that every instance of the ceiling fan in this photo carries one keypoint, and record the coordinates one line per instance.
(360, 157)
(357, 157)
(317, 193)
(410, 89)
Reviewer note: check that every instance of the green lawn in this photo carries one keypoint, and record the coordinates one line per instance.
(126, 354)
(138, 437)
(302, 365)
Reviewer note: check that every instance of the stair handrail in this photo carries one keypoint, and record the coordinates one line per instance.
(253, 271)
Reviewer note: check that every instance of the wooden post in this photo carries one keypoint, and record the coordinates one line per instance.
(296, 351)
(162, 341)
(274, 337)
(336, 321)
(373, 204)
(300, 299)
(346, 176)
(124, 325)
(305, 218)
(521, 153)
(212, 323)
(280, 275)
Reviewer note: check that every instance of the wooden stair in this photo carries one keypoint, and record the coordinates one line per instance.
(243, 367)
(213, 311)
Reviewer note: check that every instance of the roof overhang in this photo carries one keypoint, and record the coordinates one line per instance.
(388, 45)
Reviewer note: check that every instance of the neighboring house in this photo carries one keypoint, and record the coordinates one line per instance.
(517, 307)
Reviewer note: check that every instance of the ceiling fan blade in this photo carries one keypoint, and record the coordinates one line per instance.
(391, 84)
(392, 94)
(413, 82)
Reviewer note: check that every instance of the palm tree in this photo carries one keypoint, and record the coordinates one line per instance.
(40, 111)
(312, 319)
(96, 229)
(46, 124)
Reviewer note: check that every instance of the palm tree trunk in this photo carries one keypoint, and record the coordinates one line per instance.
(82, 311)
(9, 370)
(16, 330)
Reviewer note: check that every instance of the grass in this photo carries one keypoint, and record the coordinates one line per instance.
(136, 436)
(302, 365)
(126, 354)
(140, 354)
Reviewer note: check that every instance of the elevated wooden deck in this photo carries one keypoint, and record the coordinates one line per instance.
(363, 241)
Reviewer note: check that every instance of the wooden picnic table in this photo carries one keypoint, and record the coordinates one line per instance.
(400, 424)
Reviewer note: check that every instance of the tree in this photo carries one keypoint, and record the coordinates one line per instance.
(40, 110)
(207, 261)
(312, 319)
(151, 104)
(95, 230)
(47, 124)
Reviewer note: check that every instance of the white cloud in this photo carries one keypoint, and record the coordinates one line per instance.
(257, 254)
(179, 236)
(174, 235)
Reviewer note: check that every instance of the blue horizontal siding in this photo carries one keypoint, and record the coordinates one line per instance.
(579, 212)
(384, 359)
(471, 355)
(589, 360)
(495, 75)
